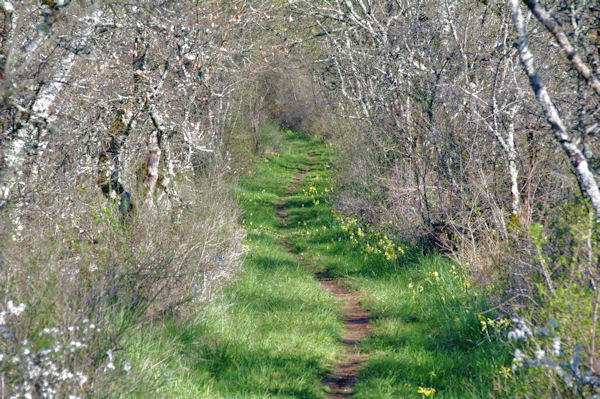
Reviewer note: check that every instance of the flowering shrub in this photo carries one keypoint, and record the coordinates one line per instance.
(45, 365)
(87, 278)
(542, 348)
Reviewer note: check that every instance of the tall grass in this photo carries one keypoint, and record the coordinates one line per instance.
(88, 276)
(276, 333)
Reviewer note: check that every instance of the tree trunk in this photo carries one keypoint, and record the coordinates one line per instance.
(152, 173)
(39, 116)
(575, 155)
(512, 164)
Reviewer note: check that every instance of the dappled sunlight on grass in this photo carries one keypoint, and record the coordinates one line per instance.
(425, 331)
(276, 332)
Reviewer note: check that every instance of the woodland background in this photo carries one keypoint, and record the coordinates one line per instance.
(468, 127)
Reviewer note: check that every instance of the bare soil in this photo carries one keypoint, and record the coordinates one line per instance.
(340, 382)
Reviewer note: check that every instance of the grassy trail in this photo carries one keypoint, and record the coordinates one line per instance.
(339, 383)
(281, 336)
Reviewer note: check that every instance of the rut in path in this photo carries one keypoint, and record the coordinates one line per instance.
(340, 382)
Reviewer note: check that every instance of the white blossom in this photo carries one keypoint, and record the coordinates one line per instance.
(521, 332)
(65, 375)
(15, 310)
(556, 346)
(82, 378)
(539, 354)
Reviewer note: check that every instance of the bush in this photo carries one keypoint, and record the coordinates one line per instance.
(556, 340)
(81, 276)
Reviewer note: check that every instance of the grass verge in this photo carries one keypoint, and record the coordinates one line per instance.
(275, 333)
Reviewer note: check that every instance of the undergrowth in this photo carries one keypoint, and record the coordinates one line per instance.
(80, 278)
(275, 333)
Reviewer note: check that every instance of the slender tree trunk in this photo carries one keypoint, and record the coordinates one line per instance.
(553, 27)
(575, 155)
(40, 116)
(512, 164)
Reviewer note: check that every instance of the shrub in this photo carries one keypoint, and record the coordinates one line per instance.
(84, 276)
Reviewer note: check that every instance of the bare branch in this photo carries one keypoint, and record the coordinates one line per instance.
(575, 155)
(553, 27)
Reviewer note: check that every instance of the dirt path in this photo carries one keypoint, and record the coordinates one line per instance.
(340, 382)
(356, 324)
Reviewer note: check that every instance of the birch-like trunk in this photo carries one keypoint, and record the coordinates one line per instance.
(513, 171)
(553, 27)
(576, 157)
(24, 137)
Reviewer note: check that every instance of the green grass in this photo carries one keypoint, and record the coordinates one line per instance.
(275, 333)
(429, 337)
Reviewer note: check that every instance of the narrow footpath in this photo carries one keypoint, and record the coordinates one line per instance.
(356, 324)
(340, 382)
(326, 306)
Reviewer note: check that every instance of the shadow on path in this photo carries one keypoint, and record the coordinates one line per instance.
(339, 382)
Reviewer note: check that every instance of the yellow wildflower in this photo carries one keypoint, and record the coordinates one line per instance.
(426, 392)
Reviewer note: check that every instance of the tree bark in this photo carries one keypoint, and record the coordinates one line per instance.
(39, 116)
(511, 152)
(553, 27)
(575, 155)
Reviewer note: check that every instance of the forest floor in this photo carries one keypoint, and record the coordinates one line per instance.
(326, 307)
